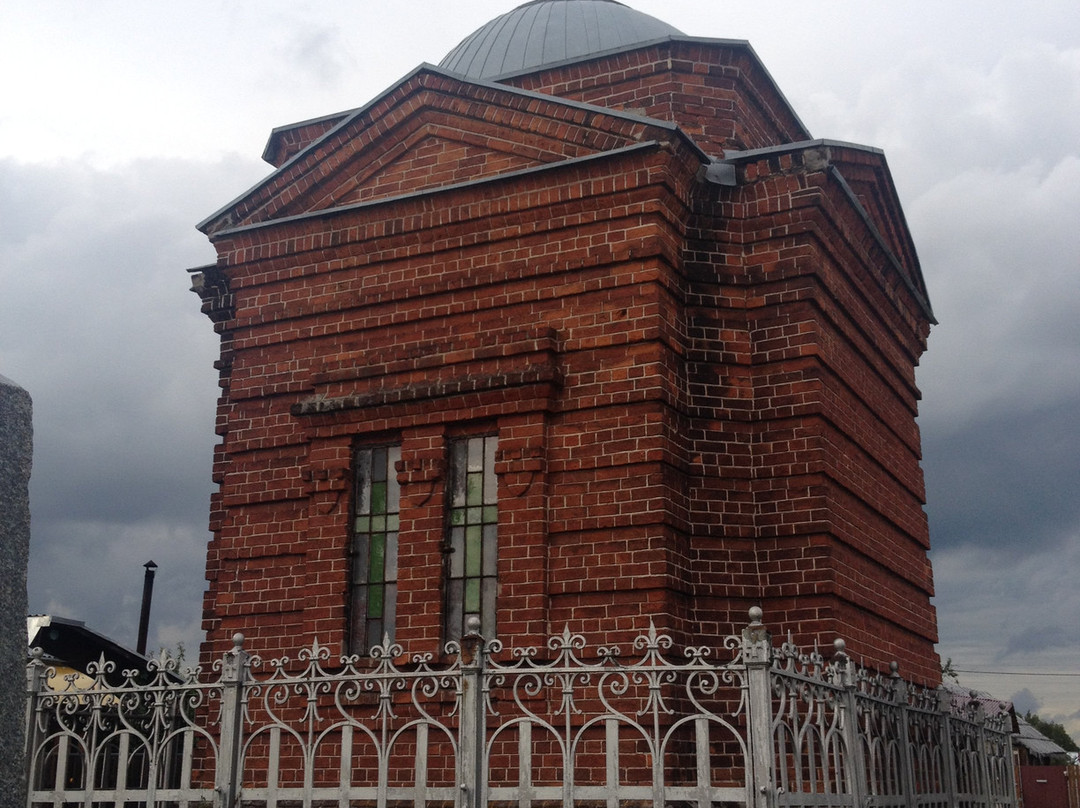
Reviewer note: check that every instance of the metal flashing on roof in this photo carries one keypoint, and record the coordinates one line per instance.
(347, 117)
(1036, 742)
(717, 175)
(370, 203)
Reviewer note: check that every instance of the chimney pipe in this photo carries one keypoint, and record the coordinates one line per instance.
(144, 615)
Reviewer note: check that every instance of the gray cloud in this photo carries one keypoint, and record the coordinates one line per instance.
(1008, 479)
(1025, 702)
(98, 324)
(976, 107)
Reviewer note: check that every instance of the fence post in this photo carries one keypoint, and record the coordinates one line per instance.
(757, 656)
(950, 753)
(855, 763)
(473, 727)
(234, 676)
(35, 683)
(984, 757)
(907, 761)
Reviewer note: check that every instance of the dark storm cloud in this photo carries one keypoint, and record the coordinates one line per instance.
(976, 107)
(1049, 634)
(98, 325)
(1007, 479)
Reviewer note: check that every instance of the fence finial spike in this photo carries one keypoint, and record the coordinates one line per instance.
(238, 641)
(755, 615)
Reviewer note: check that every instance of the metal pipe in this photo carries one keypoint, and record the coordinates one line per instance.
(144, 615)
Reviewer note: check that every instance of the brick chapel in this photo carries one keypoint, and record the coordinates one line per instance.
(579, 328)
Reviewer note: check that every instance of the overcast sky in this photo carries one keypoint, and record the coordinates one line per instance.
(123, 124)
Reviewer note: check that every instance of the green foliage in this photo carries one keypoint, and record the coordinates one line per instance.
(1054, 731)
(176, 654)
(948, 671)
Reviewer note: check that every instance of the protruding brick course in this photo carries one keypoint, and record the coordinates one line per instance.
(703, 391)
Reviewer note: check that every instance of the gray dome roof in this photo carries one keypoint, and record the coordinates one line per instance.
(544, 32)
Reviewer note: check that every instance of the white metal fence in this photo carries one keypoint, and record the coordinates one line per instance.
(568, 726)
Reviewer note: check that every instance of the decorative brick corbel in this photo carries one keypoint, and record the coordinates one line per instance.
(420, 470)
(520, 460)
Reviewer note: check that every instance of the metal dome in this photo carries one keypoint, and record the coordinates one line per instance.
(544, 32)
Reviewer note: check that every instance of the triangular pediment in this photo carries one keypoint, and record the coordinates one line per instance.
(433, 130)
(432, 156)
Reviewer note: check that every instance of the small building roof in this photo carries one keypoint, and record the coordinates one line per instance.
(547, 32)
(72, 643)
(1037, 744)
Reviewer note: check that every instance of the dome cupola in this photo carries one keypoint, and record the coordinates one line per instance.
(547, 32)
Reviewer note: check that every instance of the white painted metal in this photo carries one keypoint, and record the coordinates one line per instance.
(396, 730)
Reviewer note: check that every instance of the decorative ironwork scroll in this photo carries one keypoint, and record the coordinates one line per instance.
(563, 725)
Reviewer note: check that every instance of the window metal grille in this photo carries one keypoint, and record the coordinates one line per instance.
(376, 498)
(472, 536)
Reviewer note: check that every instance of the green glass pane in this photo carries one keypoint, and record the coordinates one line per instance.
(457, 516)
(472, 595)
(375, 602)
(378, 556)
(378, 497)
(473, 550)
(378, 524)
(472, 516)
(491, 514)
(362, 524)
(393, 522)
(474, 488)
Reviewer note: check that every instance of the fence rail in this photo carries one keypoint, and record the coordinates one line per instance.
(564, 725)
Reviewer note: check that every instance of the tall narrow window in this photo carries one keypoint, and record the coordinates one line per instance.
(472, 546)
(374, 547)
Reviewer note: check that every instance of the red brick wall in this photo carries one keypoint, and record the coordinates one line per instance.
(717, 92)
(704, 395)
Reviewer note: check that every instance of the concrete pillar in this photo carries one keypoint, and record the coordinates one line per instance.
(16, 454)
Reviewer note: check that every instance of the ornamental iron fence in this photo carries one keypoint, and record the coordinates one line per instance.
(568, 726)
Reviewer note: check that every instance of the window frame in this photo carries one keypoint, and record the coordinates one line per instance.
(374, 528)
(470, 537)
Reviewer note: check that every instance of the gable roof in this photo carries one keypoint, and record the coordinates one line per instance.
(1036, 742)
(433, 129)
(863, 175)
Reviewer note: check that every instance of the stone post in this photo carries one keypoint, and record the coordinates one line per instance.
(234, 681)
(472, 740)
(854, 762)
(757, 657)
(16, 455)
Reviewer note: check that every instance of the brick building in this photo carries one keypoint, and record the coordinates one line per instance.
(579, 328)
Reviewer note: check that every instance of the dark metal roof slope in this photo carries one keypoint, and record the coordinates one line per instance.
(544, 32)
